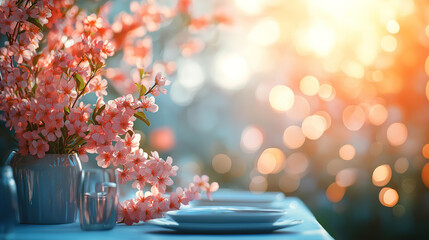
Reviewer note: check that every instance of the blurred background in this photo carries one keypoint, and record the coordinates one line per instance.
(326, 100)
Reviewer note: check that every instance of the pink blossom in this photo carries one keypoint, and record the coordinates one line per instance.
(124, 175)
(140, 180)
(39, 148)
(160, 82)
(92, 23)
(148, 103)
(138, 160)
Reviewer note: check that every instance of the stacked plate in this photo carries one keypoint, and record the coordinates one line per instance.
(224, 219)
(228, 197)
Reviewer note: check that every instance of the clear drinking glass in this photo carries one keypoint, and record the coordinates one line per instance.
(98, 199)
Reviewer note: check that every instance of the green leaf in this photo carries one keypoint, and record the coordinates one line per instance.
(43, 137)
(80, 84)
(101, 109)
(36, 22)
(142, 73)
(142, 116)
(34, 88)
(100, 65)
(36, 59)
(97, 112)
(142, 89)
(66, 110)
(91, 64)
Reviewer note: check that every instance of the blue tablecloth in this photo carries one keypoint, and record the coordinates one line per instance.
(310, 229)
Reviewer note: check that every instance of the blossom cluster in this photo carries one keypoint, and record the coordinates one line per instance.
(54, 55)
(149, 205)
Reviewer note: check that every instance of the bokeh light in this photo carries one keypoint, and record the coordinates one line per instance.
(353, 117)
(401, 165)
(346, 177)
(281, 98)
(326, 92)
(221, 163)
(397, 134)
(381, 175)
(271, 161)
(293, 137)
(388, 197)
(314, 126)
(162, 139)
(251, 139)
(425, 151)
(335, 192)
(231, 71)
(347, 152)
(265, 32)
(392, 26)
(300, 109)
(309, 85)
(389, 43)
(377, 114)
(296, 163)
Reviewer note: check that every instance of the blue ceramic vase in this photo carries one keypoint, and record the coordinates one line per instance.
(47, 187)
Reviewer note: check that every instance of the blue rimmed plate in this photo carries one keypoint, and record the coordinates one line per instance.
(222, 228)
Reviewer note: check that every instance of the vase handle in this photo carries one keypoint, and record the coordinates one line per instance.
(9, 159)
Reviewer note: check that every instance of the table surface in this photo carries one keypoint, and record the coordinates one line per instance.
(309, 229)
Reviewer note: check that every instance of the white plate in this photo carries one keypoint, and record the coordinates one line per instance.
(221, 228)
(225, 214)
(227, 197)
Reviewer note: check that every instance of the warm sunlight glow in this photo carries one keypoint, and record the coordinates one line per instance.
(293, 137)
(314, 126)
(326, 92)
(347, 152)
(392, 26)
(353, 117)
(377, 114)
(309, 85)
(265, 32)
(251, 139)
(231, 71)
(300, 109)
(271, 161)
(397, 134)
(389, 43)
(281, 98)
(318, 39)
(250, 7)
